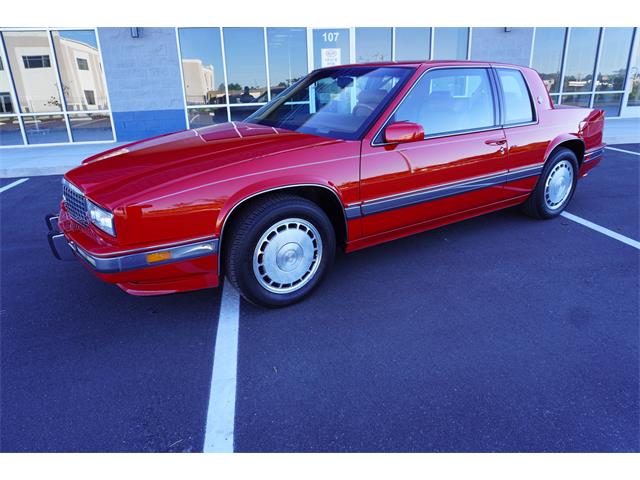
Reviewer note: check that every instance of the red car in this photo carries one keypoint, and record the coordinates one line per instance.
(353, 156)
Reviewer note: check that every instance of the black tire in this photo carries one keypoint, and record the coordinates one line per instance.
(536, 206)
(249, 226)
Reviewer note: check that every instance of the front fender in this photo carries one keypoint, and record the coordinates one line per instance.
(271, 185)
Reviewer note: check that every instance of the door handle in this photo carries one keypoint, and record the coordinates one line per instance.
(496, 141)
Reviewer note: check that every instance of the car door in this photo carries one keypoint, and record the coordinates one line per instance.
(460, 165)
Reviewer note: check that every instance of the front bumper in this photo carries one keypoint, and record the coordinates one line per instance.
(153, 270)
(64, 249)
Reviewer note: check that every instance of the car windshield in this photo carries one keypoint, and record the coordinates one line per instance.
(337, 103)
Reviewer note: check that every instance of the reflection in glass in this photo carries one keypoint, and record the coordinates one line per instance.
(634, 95)
(330, 47)
(34, 76)
(547, 55)
(287, 57)
(45, 129)
(244, 53)
(202, 117)
(239, 114)
(412, 43)
(80, 69)
(202, 69)
(10, 131)
(335, 102)
(609, 102)
(450, 43)
(581, 59)
(554, 99)
(614, 55)
(576, 100)
(7, 102)
(90, 127)
(373, 44)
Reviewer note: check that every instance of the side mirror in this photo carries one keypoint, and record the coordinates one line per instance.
(403, 132)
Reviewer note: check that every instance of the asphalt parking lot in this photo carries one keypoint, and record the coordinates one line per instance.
(500, 333)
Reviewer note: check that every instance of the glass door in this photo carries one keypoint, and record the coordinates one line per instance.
(631, 98)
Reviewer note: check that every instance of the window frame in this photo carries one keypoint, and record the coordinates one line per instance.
(501, 101)
(377, 140)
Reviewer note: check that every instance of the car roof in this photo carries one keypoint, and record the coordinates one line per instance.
(430, 63)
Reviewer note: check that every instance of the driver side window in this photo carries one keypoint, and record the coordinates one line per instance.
(449, 101)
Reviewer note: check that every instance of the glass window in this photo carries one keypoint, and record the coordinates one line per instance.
(287, 57)
(80, 69)
(373, 44)
(36, 61)
(413, 43)
(246, 73)
(517, 101)
(548, 48)
(37, 88)
(90, 127)
(240, 113)
(450, 43)
(45, 129)
(10, 131)
(634, 95)
(203, 117)
(337, 103)
(331, 47)
(202, 69)
(83, 64)
(609, 102)
(614, 55)
(450, 101)
(581, 59)
(7, 102)
(576, 100)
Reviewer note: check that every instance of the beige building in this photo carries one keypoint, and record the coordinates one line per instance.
(36, 82)
(198, 81)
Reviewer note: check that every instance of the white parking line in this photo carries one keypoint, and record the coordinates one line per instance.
(13, 184)
(605, 231)
(621, 150)
(218, 436)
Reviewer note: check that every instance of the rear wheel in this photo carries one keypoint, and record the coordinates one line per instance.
(278, 250)
(555, 187)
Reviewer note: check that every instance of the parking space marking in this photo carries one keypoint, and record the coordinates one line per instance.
(218, 436)
(621, 150)
(604, 231)
(13, 184)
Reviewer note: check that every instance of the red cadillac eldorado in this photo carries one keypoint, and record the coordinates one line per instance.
(352, 155)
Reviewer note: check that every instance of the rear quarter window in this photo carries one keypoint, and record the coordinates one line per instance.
(516, 98)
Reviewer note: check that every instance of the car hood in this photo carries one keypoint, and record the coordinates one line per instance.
(122, 173)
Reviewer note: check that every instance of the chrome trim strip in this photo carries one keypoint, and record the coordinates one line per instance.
(432, 193)
(139, 260)
(592, 155)
(151, 248)
(352, 212)
(525, 172)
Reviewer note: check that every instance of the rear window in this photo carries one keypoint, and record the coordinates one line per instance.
(517, 101)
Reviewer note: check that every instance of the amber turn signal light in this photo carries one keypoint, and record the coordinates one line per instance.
(158, 257)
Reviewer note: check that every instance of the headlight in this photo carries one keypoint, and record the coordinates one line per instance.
(101, 218)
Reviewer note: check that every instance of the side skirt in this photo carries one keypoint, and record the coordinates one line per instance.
(372, 240)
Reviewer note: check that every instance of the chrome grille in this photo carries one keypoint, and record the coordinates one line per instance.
(75, 203)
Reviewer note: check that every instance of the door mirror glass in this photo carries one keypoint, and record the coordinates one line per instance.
(403, 132)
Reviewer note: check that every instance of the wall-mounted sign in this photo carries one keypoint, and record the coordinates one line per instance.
(330, 57)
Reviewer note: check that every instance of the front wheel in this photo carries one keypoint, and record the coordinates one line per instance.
(278, 250)
(555, 187)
